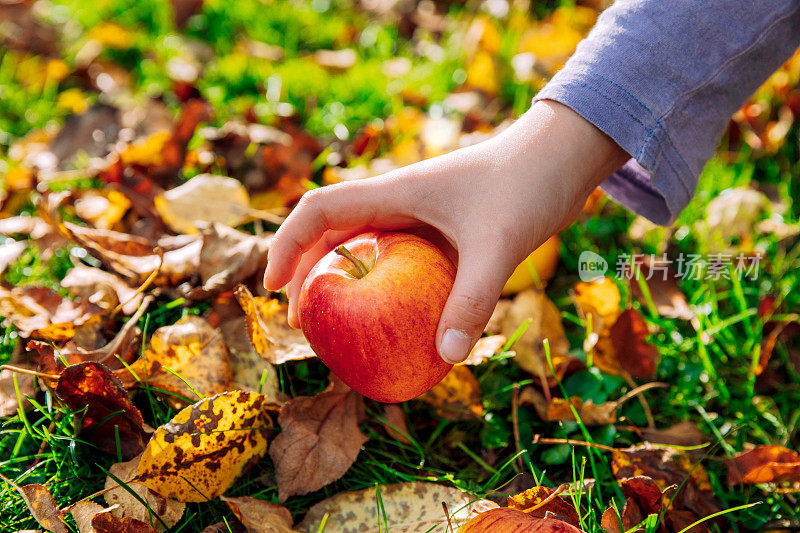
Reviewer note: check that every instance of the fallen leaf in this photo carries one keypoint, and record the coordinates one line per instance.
(193, 350)
(457, 396)
(46, 237)
(206, 198)
(107, 417)
(41, 313)
(42, 505)
(511, 520)
(625, 350)
(124, 504)
(205, 447)
(764, 464)
(545, 323)
(668, 466)
(105, 522)
(643, 497)
(102, 209)
(89, 134)
(83, 512)
(484, 349)
(662, 283)
(9, 401)
(409, 507)
(228, 257)
(395, 424)
(599, 299)
(269, 330)
(259, 516)
(684, 433)
(23, 31)
(102, 288)
(560, 409)
(539, 502)
(10, 251)
(319, 439)
(183, 10)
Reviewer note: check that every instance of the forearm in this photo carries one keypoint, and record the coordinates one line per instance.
(663, 78)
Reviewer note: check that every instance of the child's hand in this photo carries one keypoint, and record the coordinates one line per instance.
(495, 202)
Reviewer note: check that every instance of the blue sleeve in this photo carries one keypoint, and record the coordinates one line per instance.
(662, 78)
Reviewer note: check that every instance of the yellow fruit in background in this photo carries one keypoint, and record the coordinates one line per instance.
(542, 261)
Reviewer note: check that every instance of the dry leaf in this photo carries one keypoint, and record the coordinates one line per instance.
(643, 497)
(395, 424)
(42, 505)
(624, 348)
(102, 288)
(410, 507)
(599, 299)
(764, 464)
(123, 504)
(108, 418)
(269, 330)
(511, 520)
(102, 209)
(668, 466)
(560, 409)
(229, 257)
(41, 313)
(105, 522)
(46, 237)
(539, 502)
(83, 512)
(9, 401)
(259, 516)
(484, 349)
(669, 300)
(205, 447)
(193, 350)
(10, 251)
(319, 440)
(457, 396)
(206, 198)
(545, 323)
(684, 433)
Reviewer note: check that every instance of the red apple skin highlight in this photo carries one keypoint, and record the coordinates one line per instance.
(378, 332)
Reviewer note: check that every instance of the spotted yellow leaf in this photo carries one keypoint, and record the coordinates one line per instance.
(200, 453)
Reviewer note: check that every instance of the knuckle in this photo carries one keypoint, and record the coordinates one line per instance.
(472, 309)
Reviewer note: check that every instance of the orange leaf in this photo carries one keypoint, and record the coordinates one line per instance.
(764, 464)
(457, 396)
(511, 521)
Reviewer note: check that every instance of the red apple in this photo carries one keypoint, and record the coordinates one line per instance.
(370, 310)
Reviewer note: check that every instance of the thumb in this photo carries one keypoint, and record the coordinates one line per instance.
(471, 303)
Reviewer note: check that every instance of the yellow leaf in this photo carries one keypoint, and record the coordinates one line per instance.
(269, 330)
(72, 100)
(481, 72)
(147, 152)
(200, 453)
(601, 300)
(104, 209)
(457, 396)
(111, 35)
(207, 198)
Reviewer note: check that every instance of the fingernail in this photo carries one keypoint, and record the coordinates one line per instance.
(454, 346)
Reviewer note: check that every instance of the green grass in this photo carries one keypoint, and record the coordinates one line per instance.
(709, 383)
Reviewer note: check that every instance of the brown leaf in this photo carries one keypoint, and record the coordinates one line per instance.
(108, 418)
(484, 349)
(395, 424)
(183, 10)
(668, 466)
(206, 198)
(229, 257)
(684, 433)
(193, 350)
(764, 464)
(410, 507)
(643, 497)
(623, 349)
(23, 31)
(539, 502)
(669, 300)
(545, 323)
(102, 288)
(560, 409)
(269, 330)
(319, 440)
(46, 237)
(105, 522)
(123, 503)
(9, 401)
(41, 313)
(259, 516)
(102, 209)
(511, 520)
(457, 396)
(42, 505)
(136, 258)
(90, 133)
(83, 512)
(206, 447)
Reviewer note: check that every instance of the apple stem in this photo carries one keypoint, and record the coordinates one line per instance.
(344, 252)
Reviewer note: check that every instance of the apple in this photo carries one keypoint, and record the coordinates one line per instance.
(370, 310)
(543, 261)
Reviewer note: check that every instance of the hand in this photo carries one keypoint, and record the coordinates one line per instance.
(494, 202)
